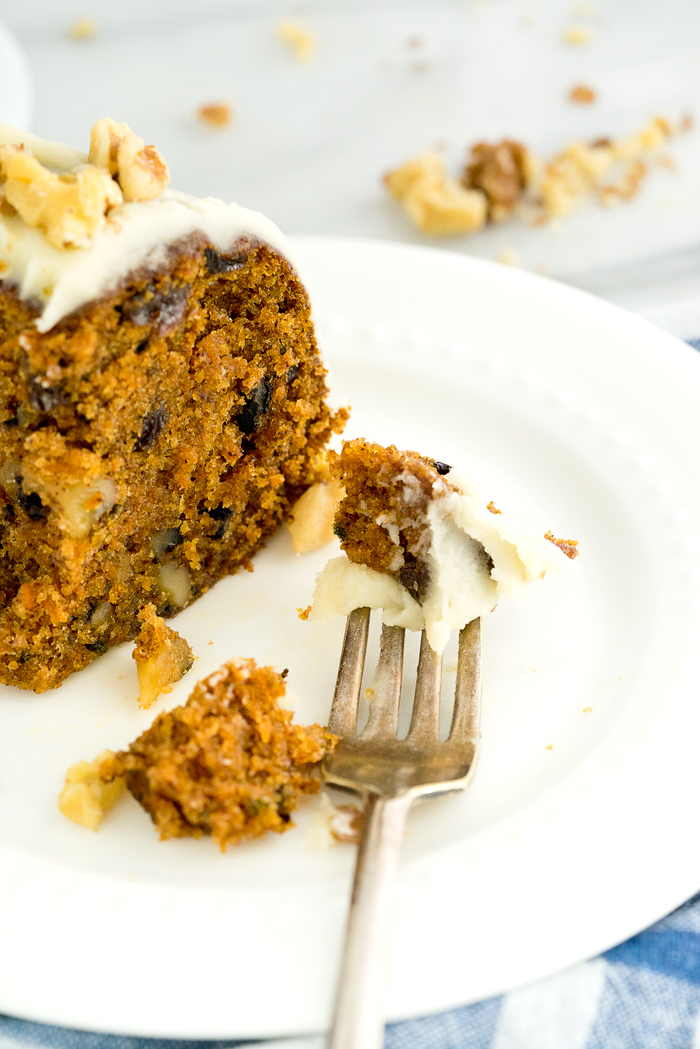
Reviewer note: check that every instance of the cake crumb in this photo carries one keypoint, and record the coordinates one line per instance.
(216, 114)
(83, 29)
(229, 763)
(577, 35)
(582, 95)
(85, 798)
(587, 710)
(548, 747)
(300, 40)
(304, 613)
(567, 546)
(162, 657)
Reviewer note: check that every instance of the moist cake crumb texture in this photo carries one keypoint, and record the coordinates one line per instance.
(230, 763)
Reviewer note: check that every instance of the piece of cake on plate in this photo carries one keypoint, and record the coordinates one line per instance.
(230, 762)
(161, 395)
(425, 545)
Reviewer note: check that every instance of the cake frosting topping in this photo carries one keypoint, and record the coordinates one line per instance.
(73, 225)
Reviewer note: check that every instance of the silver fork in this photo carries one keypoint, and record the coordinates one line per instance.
(391, 774)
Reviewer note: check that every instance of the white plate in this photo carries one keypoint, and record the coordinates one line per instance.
(16, 93)
(578, 829)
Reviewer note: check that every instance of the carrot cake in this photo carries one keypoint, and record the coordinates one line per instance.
(161, 395)
(425, 545)
(230, 763)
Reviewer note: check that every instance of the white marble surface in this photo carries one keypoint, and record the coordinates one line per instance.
(309, 142)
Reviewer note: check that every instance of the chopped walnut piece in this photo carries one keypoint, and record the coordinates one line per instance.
(577, 35)
(304, 613)
(436, 203)
(139, 169)
(508, 257)
(492, 509)
(302, 42)
(69, 208)
(311, 523)
(582, 95)
(162, 657)
(502, 172)
(85, 798)
(577, 171)
(567, 546)
(83, 29)
(572, 175)
(216, 114)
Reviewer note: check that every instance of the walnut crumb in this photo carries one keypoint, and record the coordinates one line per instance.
(216, 114)
(436, 203)
(508, 257)
(503, 171)
(577, 35)
(304, 613)
(587, 710)
(300, 40)
(85, 798)
(492, 508)
(582, 95)
(548, 747)
(83, 29)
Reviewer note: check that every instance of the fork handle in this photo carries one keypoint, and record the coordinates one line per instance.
(358, 1022)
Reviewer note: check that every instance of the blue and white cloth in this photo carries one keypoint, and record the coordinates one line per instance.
(644, 994)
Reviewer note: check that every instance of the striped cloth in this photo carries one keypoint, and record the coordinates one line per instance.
(643, 994)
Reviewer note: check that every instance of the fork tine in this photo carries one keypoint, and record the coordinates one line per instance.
(467, 711)
(425, 721)
(384, 709)
(343, 718)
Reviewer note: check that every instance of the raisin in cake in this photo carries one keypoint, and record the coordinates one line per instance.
(161, 395)
(425, 545)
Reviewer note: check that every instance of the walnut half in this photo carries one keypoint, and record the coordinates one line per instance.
(70, 208)
(139, 169)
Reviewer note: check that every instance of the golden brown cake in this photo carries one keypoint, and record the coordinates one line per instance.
(423, 543)
(161, 396)
(230, 763)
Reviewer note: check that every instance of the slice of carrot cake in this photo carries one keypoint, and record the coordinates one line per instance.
(425, 545)
(161, 395)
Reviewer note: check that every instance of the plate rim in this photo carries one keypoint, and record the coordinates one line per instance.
(414, 884)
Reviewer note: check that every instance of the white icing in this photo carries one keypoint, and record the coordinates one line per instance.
(136, 235)
(343, 585)
(461, 535)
